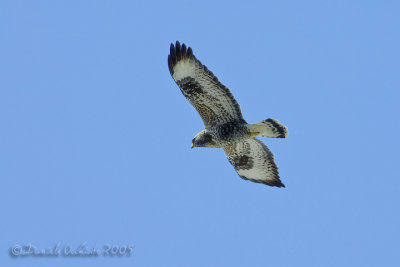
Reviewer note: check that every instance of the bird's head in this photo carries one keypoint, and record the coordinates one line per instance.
(203, 139)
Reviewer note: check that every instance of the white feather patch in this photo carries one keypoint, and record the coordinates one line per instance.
(254, 174)
(184, 68)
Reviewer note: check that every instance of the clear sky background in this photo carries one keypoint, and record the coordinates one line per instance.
(95, 135)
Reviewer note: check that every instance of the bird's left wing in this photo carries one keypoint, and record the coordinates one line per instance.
(212, 100)
(253, 161)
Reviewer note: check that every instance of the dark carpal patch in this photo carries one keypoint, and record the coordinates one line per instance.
(190, 86)
(243, 163)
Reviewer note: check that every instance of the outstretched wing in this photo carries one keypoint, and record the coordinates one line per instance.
(212, 100)
(253, 161)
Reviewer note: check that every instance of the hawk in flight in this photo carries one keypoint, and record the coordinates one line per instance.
(224, 124)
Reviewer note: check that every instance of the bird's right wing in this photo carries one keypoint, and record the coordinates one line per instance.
(212, 100)
(253, 161)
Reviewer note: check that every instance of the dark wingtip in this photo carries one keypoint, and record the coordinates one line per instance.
(178, 52)
(190, 51)
(278, 183)
(183, 51)
(170, 64)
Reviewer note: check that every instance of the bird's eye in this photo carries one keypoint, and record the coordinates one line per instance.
(193, 140)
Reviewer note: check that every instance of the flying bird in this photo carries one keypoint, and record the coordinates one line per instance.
(223, 120)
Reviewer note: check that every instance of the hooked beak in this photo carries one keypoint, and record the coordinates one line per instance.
(192, 146)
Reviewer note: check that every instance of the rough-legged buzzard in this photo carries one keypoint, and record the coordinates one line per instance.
(224, 124)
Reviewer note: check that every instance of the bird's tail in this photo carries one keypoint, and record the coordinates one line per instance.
(268, 128)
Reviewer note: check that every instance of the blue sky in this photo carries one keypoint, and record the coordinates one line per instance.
(95, 135)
